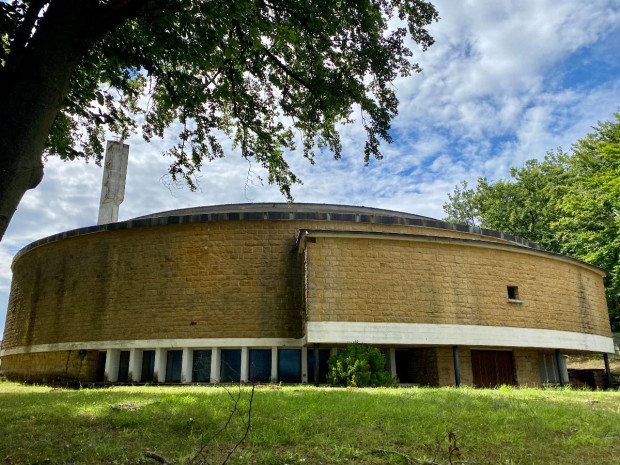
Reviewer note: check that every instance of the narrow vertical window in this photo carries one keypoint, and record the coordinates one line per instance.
(230, 368)
(260, 365)
(201, 366)
(123, 366)
(148, 366)
(289, 365)
(173, 366)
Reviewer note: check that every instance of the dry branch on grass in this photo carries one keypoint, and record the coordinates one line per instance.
(201, 457)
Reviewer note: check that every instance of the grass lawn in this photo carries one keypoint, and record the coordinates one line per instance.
(306, 425)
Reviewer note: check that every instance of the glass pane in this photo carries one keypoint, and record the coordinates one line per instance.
(201, 368)
(230, 370)
(260, 365)
(289, 365)
(123, 366)
(173, 366)
(323, 368)
(148, 366)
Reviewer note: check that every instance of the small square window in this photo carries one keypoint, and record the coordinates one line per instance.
(513, 293)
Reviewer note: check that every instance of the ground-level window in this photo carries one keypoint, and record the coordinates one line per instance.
(548, 368)
(148, 366)
(323, 368)
(123, 366)
(174, 365)
(230, 369)
(201, 366)
(289, 365)
(260, 365)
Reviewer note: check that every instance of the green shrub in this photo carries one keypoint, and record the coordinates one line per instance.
(358, 365)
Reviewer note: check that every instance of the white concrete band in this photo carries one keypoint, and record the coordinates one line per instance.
(410, 334)
(146, 344)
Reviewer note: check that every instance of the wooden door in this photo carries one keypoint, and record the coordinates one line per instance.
(492, 368)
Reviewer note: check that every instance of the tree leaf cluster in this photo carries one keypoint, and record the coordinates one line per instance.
(568, 203)
(257, 71)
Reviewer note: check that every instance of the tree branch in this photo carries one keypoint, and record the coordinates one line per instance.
(24, 32)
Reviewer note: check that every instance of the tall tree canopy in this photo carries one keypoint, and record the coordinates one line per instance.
(568, 203)
(258, 71)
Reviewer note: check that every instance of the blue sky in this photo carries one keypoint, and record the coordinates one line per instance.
(504, 82)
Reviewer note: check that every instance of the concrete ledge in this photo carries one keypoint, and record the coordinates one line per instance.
(411, 334)
(157, 344)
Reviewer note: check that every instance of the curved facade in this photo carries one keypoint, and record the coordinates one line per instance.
(263, 291)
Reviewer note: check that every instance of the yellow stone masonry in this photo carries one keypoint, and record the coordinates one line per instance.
(376, 280)
(197, 280)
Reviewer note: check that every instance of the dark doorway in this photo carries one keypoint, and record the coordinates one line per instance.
(100, 376)
(201, 367)
(148, 366)
(324, 355)
(405, 366)
(173, 366)
(492, 368)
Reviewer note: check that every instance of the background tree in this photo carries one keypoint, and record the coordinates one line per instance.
(567, 203)
(257, 71)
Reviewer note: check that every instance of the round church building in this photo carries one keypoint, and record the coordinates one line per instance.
(266, 292)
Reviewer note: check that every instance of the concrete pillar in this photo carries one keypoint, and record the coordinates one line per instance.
(245, 365)
(113, 183)
(111, 365)
(558, 362)
(392, 361)
(564, 369)
(304, 365)
(457, 366)
(159, 376)
(186, 365)
(135, 365)
(274, 364)
(610, 381)
(216, 355)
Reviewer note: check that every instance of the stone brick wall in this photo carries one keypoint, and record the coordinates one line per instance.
(197, 280)
(378, 280)
(69, 366)
(527, 368)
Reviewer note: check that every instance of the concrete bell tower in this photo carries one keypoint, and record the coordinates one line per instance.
(113, 183)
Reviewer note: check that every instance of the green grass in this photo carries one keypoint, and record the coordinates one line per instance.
(305, 425)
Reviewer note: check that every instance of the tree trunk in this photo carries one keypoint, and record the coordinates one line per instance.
(35, 81)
